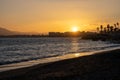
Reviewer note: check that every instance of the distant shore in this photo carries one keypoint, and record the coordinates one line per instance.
(102, 66)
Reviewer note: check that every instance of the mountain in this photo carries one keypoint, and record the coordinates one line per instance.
(4, 31)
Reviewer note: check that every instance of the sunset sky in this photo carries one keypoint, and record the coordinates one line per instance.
(57, 15)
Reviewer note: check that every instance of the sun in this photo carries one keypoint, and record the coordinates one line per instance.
(74, 29)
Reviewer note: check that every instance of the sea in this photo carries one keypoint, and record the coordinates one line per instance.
(16, 50)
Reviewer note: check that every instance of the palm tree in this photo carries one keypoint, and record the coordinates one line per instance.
(111, 28)
(115, 25)
(108, 28)
(115, 29)
(105, 30)
(97, 29)
(101, 27)
(118, 25)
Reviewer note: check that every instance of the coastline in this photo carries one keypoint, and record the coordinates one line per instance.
(30, 63)
(98, 66)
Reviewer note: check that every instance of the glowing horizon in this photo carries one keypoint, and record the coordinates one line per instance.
(57, 15)
(75, 29)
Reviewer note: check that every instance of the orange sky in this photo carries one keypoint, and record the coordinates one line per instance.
(57, 15)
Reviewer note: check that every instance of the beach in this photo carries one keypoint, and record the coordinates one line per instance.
(102, 66)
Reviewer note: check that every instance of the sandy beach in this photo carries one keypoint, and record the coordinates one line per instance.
(102, 66)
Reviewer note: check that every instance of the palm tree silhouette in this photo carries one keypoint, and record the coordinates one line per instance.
(108, 28)
(105, 30)
(97, 29)
(101, 27)
(118, 25)
(115, 25)
(111, 28)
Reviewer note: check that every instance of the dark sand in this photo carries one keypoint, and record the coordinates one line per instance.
(103, 66)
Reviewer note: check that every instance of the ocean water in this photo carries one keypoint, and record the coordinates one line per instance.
(14, 50)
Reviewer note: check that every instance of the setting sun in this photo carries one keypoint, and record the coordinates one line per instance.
(74, 29)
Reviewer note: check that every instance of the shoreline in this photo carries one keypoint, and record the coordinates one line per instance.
(31, 63)
(99, 66)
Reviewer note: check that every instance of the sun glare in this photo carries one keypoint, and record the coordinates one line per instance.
(74, 29)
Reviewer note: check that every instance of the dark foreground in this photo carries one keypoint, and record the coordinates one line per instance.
(103, 66)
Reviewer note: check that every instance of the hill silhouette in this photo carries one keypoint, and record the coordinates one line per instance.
(7, 32)
(4, 31)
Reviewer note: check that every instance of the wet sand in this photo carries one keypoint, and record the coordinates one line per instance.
(102, 66)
